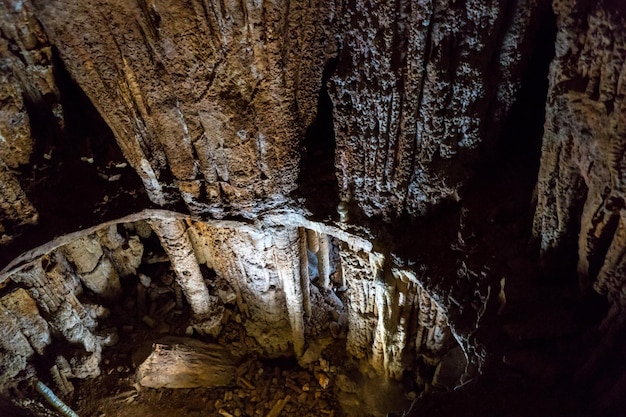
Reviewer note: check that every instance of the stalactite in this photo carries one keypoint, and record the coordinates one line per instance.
(361, 301)
(312, 240)
(304, 270)
(173, 236)
(380, 345)
(323, 260)
(287, 256)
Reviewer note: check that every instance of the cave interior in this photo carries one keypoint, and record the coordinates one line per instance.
(306, 208)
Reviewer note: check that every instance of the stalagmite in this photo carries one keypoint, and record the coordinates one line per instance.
(286, 252)
(173, 236)
(342, 209)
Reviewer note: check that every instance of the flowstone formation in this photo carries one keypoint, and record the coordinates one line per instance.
(327, 205)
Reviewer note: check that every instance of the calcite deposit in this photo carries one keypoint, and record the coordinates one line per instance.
(336, 193)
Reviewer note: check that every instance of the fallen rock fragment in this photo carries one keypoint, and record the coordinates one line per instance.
(278, 407)
(186, 363)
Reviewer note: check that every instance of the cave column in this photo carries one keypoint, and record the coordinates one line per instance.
(173, 236)
(323, 260)
(304, 270)
(287, 255)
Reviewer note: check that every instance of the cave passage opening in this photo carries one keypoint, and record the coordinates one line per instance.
(317, 179)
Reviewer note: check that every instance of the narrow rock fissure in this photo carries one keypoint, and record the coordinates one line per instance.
(523, 130)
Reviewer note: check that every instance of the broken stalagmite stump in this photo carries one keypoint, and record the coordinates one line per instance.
(186, 363)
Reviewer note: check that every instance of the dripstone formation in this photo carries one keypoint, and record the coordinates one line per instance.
(401, 204)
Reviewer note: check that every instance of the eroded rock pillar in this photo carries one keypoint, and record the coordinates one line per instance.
(304, 271)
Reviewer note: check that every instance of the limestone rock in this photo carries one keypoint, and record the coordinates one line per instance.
(246, 260)
(84, 253)
(197, 106)
(127, 257)
(15, 350)
(186, 363)
(32, 325)
(450, 370)
(15, 207)
(103, 280)
(580, 190)
(418, 96)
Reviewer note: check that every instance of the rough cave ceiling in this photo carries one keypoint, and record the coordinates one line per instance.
(435, 176)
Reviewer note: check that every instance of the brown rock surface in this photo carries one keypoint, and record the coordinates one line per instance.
(238, 115)
(206, 101)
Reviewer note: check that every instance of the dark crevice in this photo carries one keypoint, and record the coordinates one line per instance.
(508, 171)
(317, 181)
(598, 253)
(523, 129)
(78, 176)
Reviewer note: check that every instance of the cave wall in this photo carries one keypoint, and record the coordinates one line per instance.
(210, 102)
(26, 74)
(420, 88)
(579, 218)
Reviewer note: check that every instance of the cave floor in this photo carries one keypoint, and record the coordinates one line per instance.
(323, 386)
